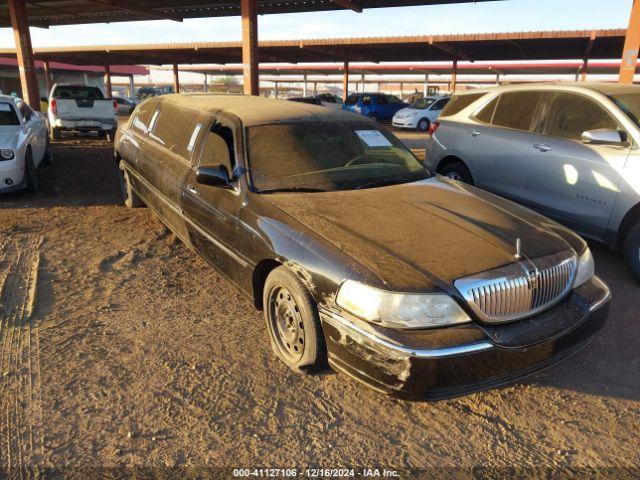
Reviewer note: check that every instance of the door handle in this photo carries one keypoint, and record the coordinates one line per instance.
(474, 133)
(543, 147)
(192, 190)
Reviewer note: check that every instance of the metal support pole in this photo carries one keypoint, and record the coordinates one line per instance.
(401, 89)
(275, 89)
(454, 75)
(107, 79)
(585, 66)
(363, 85)
(132, 88)
(24, 51)
(497, 79)
(426, 85)
(304, 85)
(249, 12)
(631, 45)
(176, 79)
(345, 81)
(315, 88)
(205, 86)
(47, 77)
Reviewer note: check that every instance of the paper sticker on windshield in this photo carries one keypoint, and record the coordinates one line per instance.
(5, 107)
(373, 138)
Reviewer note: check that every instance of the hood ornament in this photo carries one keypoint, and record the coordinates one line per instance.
(518, 249)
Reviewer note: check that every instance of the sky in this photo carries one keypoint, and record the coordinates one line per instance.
(500, 16)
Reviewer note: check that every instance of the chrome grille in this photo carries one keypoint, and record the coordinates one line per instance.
(520, 289)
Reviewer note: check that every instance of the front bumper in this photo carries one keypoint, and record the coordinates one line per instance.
(404, 123)
(448, 362)
(12, 171)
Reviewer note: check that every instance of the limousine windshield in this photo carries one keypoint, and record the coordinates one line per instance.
(326, 156)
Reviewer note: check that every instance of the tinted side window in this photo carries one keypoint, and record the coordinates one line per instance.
(460, 102)
(8, 115)
(218, 148)
(516, 109)
(394, 99)
(486, 114)
(351, 100)
(142, 116)
(175, 129)
(570, 114)
(25, 111)
(382, 100)
(440, 104)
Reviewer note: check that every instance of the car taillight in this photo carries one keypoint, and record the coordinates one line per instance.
(53, 106)
(434, 126)
(115, 106)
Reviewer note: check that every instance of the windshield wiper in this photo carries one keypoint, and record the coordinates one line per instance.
(292, 189)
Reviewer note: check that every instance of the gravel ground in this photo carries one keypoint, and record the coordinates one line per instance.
(121, 348)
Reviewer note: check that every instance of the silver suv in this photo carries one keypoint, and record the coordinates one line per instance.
(569, 151)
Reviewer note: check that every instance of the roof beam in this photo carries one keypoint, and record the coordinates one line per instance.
(350, 4)
(130, 7)
(455, 52)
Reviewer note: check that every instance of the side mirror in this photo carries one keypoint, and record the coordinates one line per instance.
(604, 136)
(214, 175)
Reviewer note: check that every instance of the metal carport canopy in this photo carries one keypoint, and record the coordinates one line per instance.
(45, 13)
(545, 45)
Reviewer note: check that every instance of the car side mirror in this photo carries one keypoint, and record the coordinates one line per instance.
(604, 136)
(214, 175)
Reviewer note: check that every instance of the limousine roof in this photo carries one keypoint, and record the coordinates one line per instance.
(259, 110)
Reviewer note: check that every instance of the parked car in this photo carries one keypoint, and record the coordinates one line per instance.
(329, 100)
(569, 151)
(377, 106)
(420, 114)
(320, 217)
(310, 100)
(80, 108)
(125, 106)
(24, 145)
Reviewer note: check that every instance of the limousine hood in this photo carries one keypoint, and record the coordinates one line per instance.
(425, 234)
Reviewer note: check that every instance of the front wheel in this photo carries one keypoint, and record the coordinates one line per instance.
(129, 197)
(424, 124)
(632, 251)
(457, 171)
(293, 322)
(30, 173)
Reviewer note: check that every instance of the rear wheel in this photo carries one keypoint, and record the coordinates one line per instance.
(424, 124)
(48, 154)
(30, 173)
(457, 171)
(293, 322)
(632, 251)
(110, 135)
(130, 199)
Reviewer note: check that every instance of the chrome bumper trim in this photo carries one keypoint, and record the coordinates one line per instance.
(605, 298)
(342, 323)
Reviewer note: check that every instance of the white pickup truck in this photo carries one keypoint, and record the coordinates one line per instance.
(80, 108)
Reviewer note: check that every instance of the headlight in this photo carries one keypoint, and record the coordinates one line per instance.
(585, 270)
(400, 310)
(413, 115)
(7, 154)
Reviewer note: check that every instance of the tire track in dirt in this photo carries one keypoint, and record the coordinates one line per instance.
(20, 412)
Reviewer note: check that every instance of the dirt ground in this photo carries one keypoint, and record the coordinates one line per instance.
(121, 348)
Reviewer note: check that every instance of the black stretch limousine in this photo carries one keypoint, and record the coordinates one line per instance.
(412, 283)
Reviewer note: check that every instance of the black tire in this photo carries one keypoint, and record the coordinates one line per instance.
(130, 199)
(632, 251)
(457, 171)
(30, 173)
(55, 134)
(110, 135)
(374, 116)
(48, 154)
(293, 322)
(423, 125)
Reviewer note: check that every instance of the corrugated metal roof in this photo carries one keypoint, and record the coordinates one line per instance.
(541, 45)
(66, 12)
